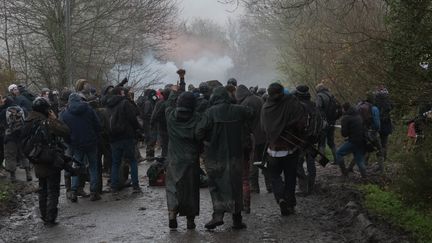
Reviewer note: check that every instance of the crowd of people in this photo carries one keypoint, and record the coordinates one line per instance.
(229, 133)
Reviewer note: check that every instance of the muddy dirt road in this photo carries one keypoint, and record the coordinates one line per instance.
(331, 215)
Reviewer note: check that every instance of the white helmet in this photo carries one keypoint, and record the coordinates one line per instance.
(12, 87)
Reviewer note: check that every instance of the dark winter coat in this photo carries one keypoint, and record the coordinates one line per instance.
(158, 119)
(23, 102)
(279, 116)
(57, 130)
(121, 104)
(83, 123)
(352, 127)
(182, 184)
(323, 101)
(224, 124)
(246, 98)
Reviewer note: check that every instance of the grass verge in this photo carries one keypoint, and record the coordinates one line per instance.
(389, 206)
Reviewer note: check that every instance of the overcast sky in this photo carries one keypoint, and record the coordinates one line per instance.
(208, 9)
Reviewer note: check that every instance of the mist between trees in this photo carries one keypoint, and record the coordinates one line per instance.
(352, 45)
(112, 39)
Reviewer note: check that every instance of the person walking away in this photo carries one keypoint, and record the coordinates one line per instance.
(332, 110)
(385, 106)
(183, 181)
(123, 124)
(370, 115)
(254, 146)
(224, 124)
(307, 182)
(353, 131)
(282, 117)
(85, 129)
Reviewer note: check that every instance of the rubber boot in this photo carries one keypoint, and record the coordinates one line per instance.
(238, 221)
(172, 216)
(217, 220)
(191, 222)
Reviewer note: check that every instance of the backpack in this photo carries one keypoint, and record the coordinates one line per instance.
(156, 174)
(14, 119)
(35, 143)
(116, 124)
(365, 111)
(315, 122)
(384, 105)
(333, 110)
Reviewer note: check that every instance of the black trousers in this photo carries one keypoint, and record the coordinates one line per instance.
(284, 189)
(49, 192)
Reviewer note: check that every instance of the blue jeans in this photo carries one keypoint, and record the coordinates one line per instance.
(91, 157)
(348, 148)
(123, 149)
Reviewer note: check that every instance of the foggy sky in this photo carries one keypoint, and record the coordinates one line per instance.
(207, 9)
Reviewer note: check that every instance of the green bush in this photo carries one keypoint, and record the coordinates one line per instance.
(390, 206)
(415, 181)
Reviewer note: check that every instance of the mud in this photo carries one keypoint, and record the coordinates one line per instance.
(333, 214)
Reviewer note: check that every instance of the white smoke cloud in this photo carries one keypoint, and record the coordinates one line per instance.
(207, 67)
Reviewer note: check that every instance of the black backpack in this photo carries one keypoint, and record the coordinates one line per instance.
(384, 105)
(333, 110)
(116, 124)
(315, 122)
(14, 120)
(35, 143)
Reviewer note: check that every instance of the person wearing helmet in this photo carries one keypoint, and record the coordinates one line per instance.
(49, 173)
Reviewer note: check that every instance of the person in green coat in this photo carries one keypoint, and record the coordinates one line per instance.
(182, 181)
(224, 124)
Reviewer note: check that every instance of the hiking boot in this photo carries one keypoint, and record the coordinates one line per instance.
(343, 169)
(238, 221)
(136, 189)
(191, 222)
(94, 196)
(82, 193)
(172, 224)
(217, 220)
(73, 196)
(12, 177)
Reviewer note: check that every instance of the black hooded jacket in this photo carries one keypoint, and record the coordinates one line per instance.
(246, 98)
(128, 117)
(352, 127)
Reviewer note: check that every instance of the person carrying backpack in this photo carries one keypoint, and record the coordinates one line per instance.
(315, 127)
(123, 124)
(385, 106)
(12, 117)
(353, 131)
(41, 136)
(330, 107)
(371, 123)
